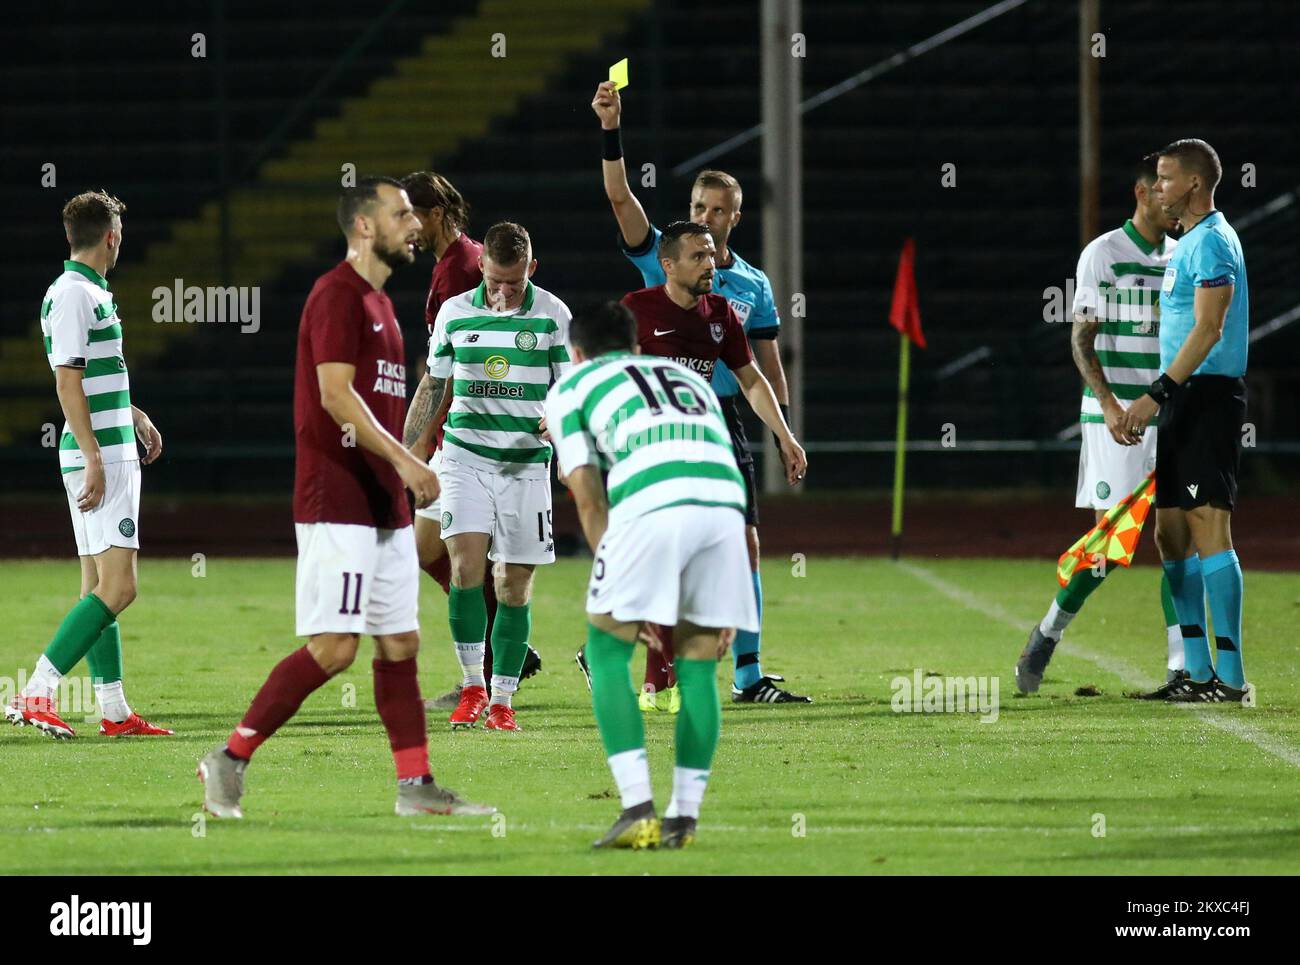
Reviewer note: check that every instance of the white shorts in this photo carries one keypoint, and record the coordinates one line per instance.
(116, 520)
(513, 510)
(434, 510)
(356, 579)
(1108, 471)
(680, 563)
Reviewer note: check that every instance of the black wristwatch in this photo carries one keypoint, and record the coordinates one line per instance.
(1162, 389)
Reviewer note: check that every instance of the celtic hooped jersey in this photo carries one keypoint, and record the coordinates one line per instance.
(1118, 284)
(501, 365)
(654, 425)
(81, 328)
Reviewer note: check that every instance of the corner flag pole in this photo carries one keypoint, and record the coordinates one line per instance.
(905, 317)
(900, 446)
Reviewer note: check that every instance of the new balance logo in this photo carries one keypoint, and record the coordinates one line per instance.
(471, 338)
(1193, 489)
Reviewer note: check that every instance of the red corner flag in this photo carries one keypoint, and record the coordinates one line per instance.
(905, 312)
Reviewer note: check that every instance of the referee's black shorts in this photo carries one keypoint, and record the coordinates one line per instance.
(1198, 443)
(744, 458)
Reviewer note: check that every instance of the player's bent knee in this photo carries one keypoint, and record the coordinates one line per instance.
(466, 575)
(605, 622)
(116, 596)
(514, 584)
(513, 594)
(394, 647)
(334, 651)
(697, 643)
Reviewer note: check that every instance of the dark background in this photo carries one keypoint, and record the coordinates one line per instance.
(113, 97)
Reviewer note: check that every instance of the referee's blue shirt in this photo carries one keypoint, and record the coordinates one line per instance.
(746, 289)
(1207, 256)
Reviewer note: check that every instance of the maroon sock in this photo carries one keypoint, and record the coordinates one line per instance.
(658, 667)
(490, 600)
(397, 698)
(440, 570)
(290, 683)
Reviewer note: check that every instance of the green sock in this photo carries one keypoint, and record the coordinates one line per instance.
(1071, 596)
(700, 722)
(612, 695)
(105, 658)
(467, 614)
(78, 632)
(510, 632)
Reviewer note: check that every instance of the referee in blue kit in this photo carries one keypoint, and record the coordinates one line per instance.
(1201, 397)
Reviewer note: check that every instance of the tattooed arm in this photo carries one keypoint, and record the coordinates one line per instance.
(1089, 365)
(418, 430)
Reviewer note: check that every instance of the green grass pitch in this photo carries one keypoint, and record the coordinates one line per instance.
(846, 785)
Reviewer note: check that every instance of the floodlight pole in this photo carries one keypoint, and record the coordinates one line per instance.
(782, 200)
(1089, 123)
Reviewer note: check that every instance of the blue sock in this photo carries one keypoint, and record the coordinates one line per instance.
(1188, 589)
(748, 643)
(1224, 587)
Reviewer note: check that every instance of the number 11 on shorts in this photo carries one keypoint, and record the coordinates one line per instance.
(356, 596)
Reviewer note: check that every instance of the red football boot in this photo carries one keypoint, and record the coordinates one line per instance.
(133, 726)
(38, 712)
(501, 717)
(473, 700)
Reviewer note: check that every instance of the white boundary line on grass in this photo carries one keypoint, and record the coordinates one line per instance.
(1120, 668)
(1083, 829)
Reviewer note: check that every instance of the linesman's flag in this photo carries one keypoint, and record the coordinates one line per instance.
(1115, 538)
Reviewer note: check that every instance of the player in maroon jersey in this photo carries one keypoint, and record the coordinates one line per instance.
(357, 568)
(443, 214)
(684, 320)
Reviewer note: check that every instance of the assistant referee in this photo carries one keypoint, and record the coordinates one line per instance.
(1201, 397)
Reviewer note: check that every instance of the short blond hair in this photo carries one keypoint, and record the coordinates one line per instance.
(88, 216)
(507, 243)
(719, 179)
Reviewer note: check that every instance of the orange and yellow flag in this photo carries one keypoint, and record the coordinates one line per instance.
(1115, 538)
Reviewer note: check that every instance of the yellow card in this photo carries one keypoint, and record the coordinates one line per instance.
(618, 74)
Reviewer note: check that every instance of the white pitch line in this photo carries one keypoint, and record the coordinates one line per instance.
(1083, 829)
(1120, 668)
(812, 830)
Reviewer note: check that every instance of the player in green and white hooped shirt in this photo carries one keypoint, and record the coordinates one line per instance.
(1116, 347)
(501, 345)
(669, 543)
(101, 471)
